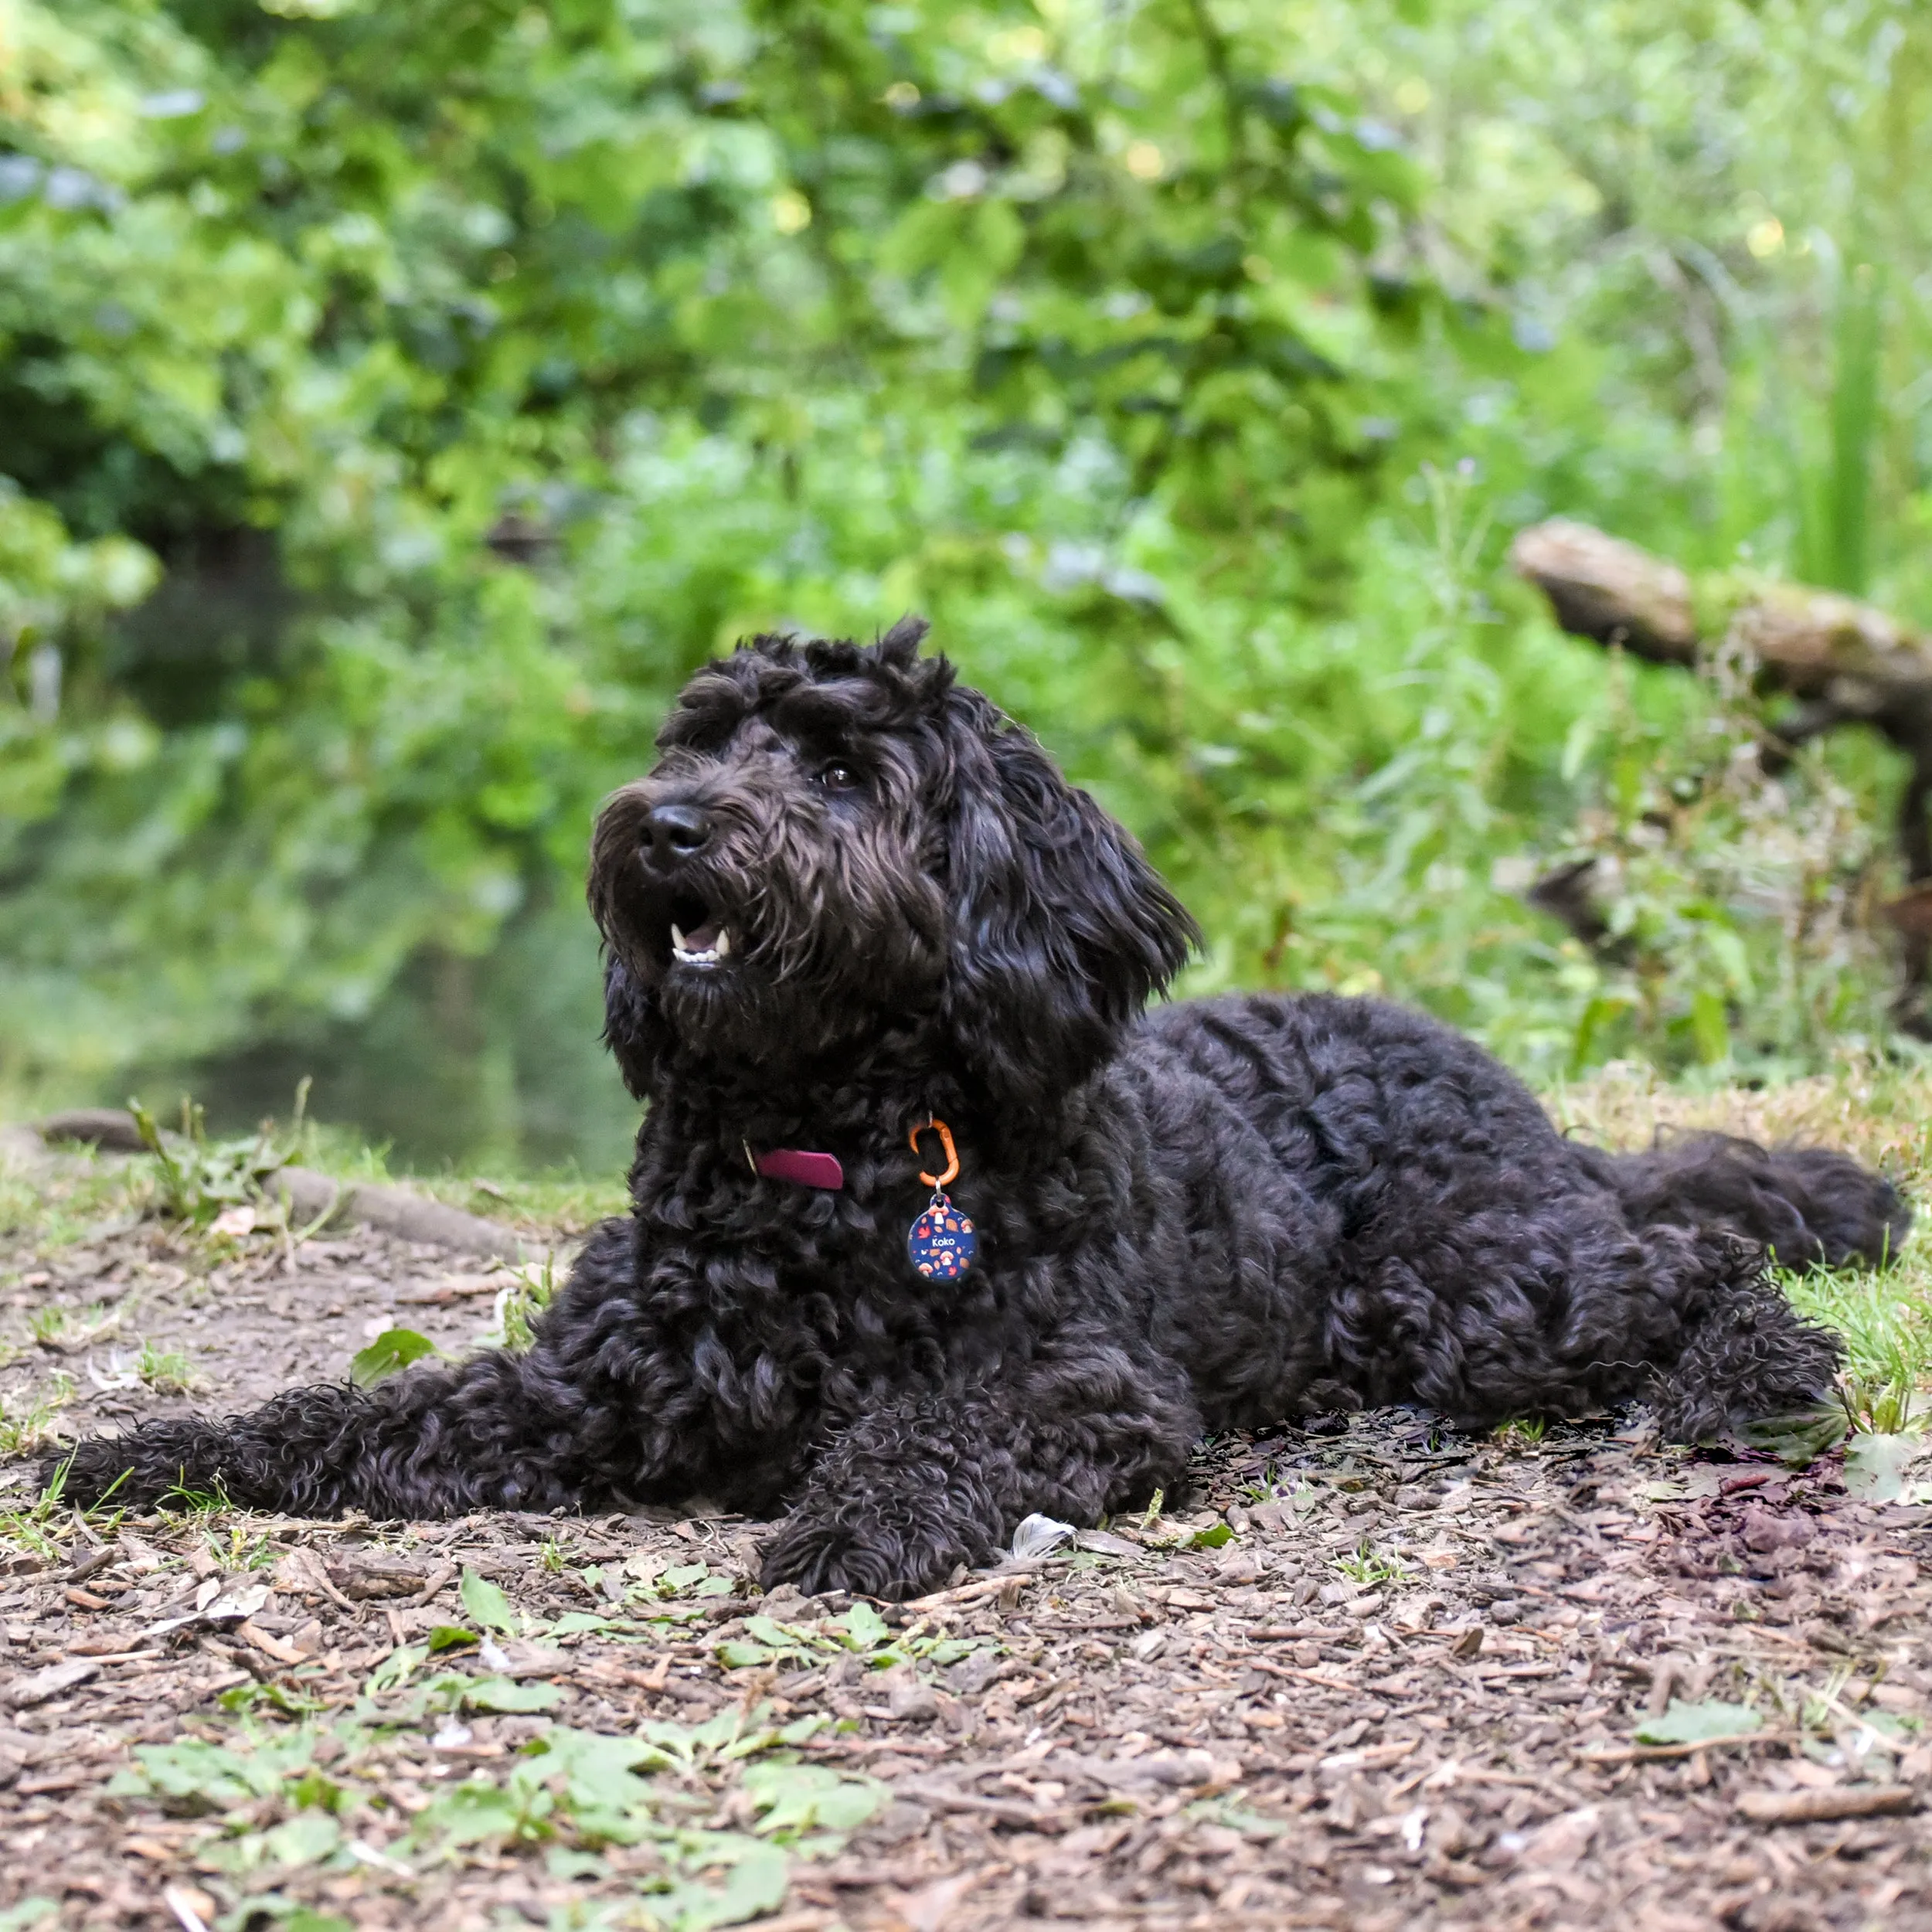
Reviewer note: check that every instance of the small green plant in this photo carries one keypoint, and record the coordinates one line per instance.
(1522, 1432)
(1371, 1567)
(1887, 1332)
(26, 1415)
(166, 1371)
(861, 1632)
(519, 1304)
(237, 1548)
(200, 1179)
(186, 1500)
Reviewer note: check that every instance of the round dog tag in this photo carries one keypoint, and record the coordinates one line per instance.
(942, 1242)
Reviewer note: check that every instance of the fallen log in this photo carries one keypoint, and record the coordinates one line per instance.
(1843, 661)
(316, 1199)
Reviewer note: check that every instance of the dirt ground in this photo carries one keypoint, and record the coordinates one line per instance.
(1369, 1675)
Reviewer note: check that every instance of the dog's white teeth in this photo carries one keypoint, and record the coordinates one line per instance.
(686, 954)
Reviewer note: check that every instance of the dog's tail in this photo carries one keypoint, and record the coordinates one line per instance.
(1714, 1210)
(1805, 1206)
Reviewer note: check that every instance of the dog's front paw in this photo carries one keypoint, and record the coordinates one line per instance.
(817, 1556)
(90, 1472)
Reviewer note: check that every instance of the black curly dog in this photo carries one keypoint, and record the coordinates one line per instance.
(853, 896)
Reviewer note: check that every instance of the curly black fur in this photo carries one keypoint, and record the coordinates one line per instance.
(1200, 1218)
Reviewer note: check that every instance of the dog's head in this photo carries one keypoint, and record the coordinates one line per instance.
(841, 839)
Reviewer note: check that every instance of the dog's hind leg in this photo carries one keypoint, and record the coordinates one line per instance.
(1808, 1206)
(528, 1431)
(1740, 1349)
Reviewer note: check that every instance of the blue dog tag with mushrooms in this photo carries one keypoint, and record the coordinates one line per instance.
(942, 1243)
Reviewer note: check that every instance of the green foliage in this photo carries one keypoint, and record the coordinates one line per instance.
(166, 1371)
(464, 375)
(199, 1178)
(667, 1791)
(1371, 1567)
(529, 1293)
(861, 1631)
(1876, 1464)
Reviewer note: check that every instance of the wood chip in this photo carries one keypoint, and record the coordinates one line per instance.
(1818, 1807)
(1648, 1753)
(42, 1686)
(268, 1643)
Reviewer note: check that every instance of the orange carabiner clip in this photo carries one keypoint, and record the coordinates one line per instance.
(945, 1134)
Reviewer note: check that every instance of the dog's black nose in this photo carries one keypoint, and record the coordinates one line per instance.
(672, 832)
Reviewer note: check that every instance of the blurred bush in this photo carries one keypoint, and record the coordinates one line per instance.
(398, 402)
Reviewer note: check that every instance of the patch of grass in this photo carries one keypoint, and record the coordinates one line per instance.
(200, 1505)
(197, 1178)
(715, 1812)
(166, 1371)
(552, 1202)
(26, 1415)
(562, 1200)
(1522, 1432)
(236, 1547)
(1370, 1567)
(58, 1327)
(1885, 1321)
(519, 1305)
(89, 1195)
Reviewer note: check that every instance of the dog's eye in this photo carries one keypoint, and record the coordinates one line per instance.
(836, 777)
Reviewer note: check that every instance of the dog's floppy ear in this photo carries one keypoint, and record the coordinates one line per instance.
(1061, 930)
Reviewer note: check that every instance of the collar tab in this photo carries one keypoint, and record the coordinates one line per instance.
(799, 1165)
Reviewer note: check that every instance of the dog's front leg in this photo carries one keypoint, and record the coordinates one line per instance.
(928, 1481)
(556, 1425)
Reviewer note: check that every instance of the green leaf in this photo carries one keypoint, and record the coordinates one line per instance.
(795, 1798)
(1694, 1723)
(505, 1694)
(735, 1655)
(393, 1350)
(864, 1628)
(476, 1811)
(1798, 1438)
(202, 1775)
(947, 1650)
(29, 1911)
(1710, 1028)
(306, 1839)
(1874, 1465)
(1212, 1538)
(768, 1630)
(449, 1637)
(761, 1874)
(487, 1604)
(682, 1575)
(575, 1623)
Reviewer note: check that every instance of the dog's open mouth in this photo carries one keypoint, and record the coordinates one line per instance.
(698, 936)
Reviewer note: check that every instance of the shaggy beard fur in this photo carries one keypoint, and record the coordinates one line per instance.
(1216, 1215)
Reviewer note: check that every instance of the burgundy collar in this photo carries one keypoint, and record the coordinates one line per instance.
(798, 1164)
